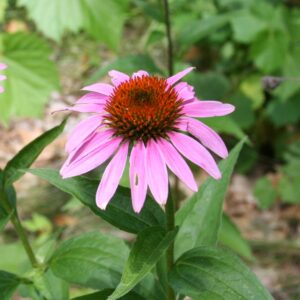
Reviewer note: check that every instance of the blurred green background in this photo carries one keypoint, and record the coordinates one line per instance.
(247, 52)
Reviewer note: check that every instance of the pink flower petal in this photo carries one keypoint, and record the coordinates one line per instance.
(2, 77)
(1, 89)
(196, 153)
(83, 129)
(185, 91)
(177, 164)
(137, 175)
(178, 76)
(85, 108)
(140, 74)
(3, 66)
(117, 77)
(95, 141)
(101, 88)
(208, 137)
(111, 177)
(92, 160)
(92, 98)
(157, 174)
(204, 109)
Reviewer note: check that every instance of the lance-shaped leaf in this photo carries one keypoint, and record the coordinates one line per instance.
(104, 294)
(150, 245)
(8, 284)
(215, 273)
(29, 154)
(200, 217)
(119, 212)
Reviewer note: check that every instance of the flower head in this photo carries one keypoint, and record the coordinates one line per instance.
(2, 77)
(151, 120)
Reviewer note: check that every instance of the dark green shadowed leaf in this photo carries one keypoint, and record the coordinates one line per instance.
(29, 154)
(103, 295)
(93, 260)
(119, 212)
(8, 284)
(200, 218)
(150, 245)
(215, 273)
(128, 64)
(231, 237)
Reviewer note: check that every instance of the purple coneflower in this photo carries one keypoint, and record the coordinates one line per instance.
(2, 77)
(151, 120)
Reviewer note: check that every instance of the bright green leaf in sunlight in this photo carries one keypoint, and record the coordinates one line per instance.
(8, 284)
(150, 245)
(231, 237)
(31, 76)
(101, 19)
(3, 5)
(214, 273)
(200, 218)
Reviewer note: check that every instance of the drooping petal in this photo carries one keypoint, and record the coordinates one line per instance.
(137, 176)
(111, 177)
(157, 174)
(92, 98)
(117, 77)
(206, 109)
(2, 77)
(207, 136)
(140, 73)
(177, 164)
(1, 89)
(82, 130)
(90, 144)
(92, 160)
(173, 79)
(101, 88)
(196, 153)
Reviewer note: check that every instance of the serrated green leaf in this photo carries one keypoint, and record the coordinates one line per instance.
(31, 75)
(24, 158)
(200, 218)
(92, 259)
(8, 284)
(101, 19)
(119, 212)
(215, 273)
(231, 237)
(150, 245)
(128, 64)
(103, 295)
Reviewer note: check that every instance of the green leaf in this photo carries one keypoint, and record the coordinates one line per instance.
(103, 20)
(31, 75)
(150, 245)
(8, 284)
(264, 192)
(4, 218)
(92, 259)
(200, 218)
(3, 5)
(231, 237)
(119, 212)
(29, 154)
(103, 295)
(127, 64)
(225, 125)
(215, 273)
(246, 26)
(197, 30)
(269, 50)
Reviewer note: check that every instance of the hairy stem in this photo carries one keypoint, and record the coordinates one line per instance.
(19, 228)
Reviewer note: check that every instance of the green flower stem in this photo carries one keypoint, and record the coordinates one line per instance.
(19, 228)
(170, 214)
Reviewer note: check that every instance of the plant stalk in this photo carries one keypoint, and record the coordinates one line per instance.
(19, 229)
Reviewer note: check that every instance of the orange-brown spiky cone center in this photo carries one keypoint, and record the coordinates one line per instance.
(143, 108)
